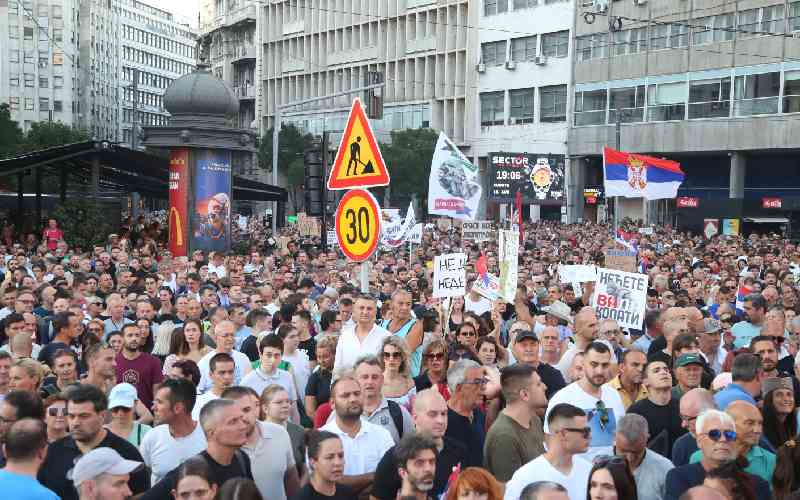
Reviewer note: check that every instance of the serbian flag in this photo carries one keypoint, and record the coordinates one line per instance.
(741, 293)
(637, 176)
(482, 267)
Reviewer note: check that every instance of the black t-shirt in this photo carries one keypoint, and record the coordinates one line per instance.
(250, 348)
(661, 419)
(658, 344)
(319, 386)
(551, 378)
(62, 455)
(239, 467)
(308, 492)
(310, 347)
(470, 434)
(387, 481)
(46, 354)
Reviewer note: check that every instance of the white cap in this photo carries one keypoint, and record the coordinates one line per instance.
(101, 461)
(123, 394)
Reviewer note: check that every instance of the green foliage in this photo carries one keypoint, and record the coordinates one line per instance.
(10, 134)
(408, 159)
(83, 224)
(292, 144)
(295, 178)
(43, 135)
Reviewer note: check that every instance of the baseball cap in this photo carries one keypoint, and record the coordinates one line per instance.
(526, 334)
(711, 325)
(688, 359)
(101, 461)
(123, 394)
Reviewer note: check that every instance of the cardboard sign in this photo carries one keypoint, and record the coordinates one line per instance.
(308, 226)
(415, 236)
(508, 245)
(489, 288)
(623, 260)
(477, 232)
(449, 275)
(576, 274)
(332, 241)
(620, 296)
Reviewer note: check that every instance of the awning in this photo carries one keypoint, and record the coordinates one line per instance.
(767, 220)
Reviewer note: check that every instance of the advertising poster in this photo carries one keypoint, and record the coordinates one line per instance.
(538, 178)
(212, 201)
(449, 275)
(508, 245)
(730, 227)
(454, 184)
(620, 296)
(178, 202)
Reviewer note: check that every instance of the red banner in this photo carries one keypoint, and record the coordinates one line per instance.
(688, 202)
(178, 200)
(771, 203)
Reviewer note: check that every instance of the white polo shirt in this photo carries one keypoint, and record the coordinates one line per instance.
(241, 368)
(200, 402)
(350, 348)
(363, 452)
(271, 456)
(258, 381)
(162, 452)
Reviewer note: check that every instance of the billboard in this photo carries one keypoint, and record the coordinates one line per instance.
(178, 202)
(539, 178)
(212, 201)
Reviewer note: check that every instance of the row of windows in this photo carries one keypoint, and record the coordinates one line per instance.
(156, 41)
(743, 95)
(146, 78)
(29, 33)
(145, 118)
(155, 61)
(29, 80)
(674, 35)
(145, 98)
(164, 28)
(493, 7)
(42, 10)
(28, 103)
(521, 106)
(526, 48)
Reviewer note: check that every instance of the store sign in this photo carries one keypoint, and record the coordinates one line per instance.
(591, 196)
(771, 203)
(688, 202)
(539, 178)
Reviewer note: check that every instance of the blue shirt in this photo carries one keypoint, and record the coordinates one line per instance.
(21, 487)
(744, 332)
(680, 479)
(683, 448)
(733, 392)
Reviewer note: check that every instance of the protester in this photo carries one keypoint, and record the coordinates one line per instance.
(326, 459)
(379, 409)
(660, 409)
(25, 447)
(103, 474)
(649, 468)
(610, 477)
(476, 482)
(465, 419)
(276, 408)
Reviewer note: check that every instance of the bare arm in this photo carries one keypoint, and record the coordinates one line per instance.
(291, 481)
(414, 337)
(145, 416)
(311, 405)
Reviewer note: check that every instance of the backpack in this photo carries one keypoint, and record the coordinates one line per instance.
(397, 417)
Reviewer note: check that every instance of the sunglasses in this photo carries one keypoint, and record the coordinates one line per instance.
(604, 460)
(392, 355)
(585, 431)
(716, 435)
(54, 411)
(468, 334)
(436, 356)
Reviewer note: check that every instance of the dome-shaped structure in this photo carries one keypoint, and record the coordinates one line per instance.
(200, 93)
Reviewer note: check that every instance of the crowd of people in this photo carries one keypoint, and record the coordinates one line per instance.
(271, 374)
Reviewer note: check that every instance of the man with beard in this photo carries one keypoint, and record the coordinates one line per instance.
(176, 437)
(755, 310)
(416, 458)
(102, 367)
(766, 348)
(268, 446)
(140, 369)
(660, 408)
(364, 443)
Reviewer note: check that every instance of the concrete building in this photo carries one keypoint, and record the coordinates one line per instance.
(713, 84)
(157, 48)
(523, 74)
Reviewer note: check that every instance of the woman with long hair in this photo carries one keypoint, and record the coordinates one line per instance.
(491, 353)
(398, 386)
(611, 479)
(456, 314)
(780, 414)
(146, 341)
(731, 480)
(326, 463)
(474, 483)
(786, 478)
(186, 343)
(434, 369)
(239, 488)
(276, 407)
(193, 480)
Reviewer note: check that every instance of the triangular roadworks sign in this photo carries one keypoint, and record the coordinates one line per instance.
(358, 163)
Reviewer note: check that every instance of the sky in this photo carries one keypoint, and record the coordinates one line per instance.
(186, 9)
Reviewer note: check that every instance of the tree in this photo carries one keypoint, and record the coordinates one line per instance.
(10, 134)
(83, 223)
(292, 143)
(408, 159)
(43, 135)
(295, 178)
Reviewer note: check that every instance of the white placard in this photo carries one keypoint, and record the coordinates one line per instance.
(415, 235)
(576, 273)
(449, 275)
(478, 231)
(332, 241)
(508, 245)
(620, 296)
(489, 288)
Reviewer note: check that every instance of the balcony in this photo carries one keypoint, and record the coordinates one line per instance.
(353, 56)
(292, 27)
(420, 45)
(241, 15)
(245, 92)
(291, 64)
(244, 53)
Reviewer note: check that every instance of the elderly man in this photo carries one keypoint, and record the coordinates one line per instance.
(377, 409)
(466, 422)
(716, 436)
(692, 404)
(649, 468)
(749, 427)
(225, 338)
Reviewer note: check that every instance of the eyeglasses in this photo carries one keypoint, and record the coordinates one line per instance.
(468, 334)
(477, 381)
(585, 431)
(55, 411)
(687, 418)
(392, 355)
(717, 434)
(437, 356)
(604, 460)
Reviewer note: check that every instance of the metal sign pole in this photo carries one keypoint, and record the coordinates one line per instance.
(365, 277)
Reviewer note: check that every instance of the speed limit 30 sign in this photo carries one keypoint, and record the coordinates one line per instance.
(358, 224)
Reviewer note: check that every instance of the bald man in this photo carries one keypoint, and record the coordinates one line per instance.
(680, 314)
(692, 404)
(430, 417)
(585, 333)
(749, 428)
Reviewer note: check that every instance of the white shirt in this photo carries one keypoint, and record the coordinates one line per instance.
(200, 402)
(258, 381)
(162, 452)
(479, 306)
(220, 271)
(35, 349)
(362, 453)
(271, 456)
(569, 355)
(301, 368)
(539, 469)
(242, 368)
(349, 348)
(602, 431)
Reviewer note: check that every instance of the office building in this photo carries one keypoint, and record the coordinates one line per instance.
(714, 85)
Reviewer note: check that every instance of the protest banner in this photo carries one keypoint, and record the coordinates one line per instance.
(623, 260)
(449, 275)
(308, 226)
(620, 296)
(508, 245)
(415, 235)
(488, 287)
(477, 232)
(332, 240)
(576, 273)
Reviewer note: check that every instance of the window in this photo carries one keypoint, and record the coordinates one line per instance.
(29, 104)
(493, 53)
(620, 43)
(666, 101)
(658, 36)
(58, 82)
(701, 33)
(492, 109)
(28, 57)
(555, 44)
(43, 82)
(638, 40)
(492, 7)
(678, 36)
(592, 46)
(523, 49)
(553, 103)
(590, 107)
(748, 23)
(521, 101)
(525, 4)
(58, 58)
(710, 98)
(28, 33)
(771, 19)
(723, 28)
(794, 16)
(44, 62)
(14, 103)
(57, 12)
(44, 104)
(13, 80)
(58, 106)
(58, 34)
(29, 79)
(630, 101)
(756, 94)
(13, 56)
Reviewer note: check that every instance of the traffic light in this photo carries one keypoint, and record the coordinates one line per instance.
(314, 181)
